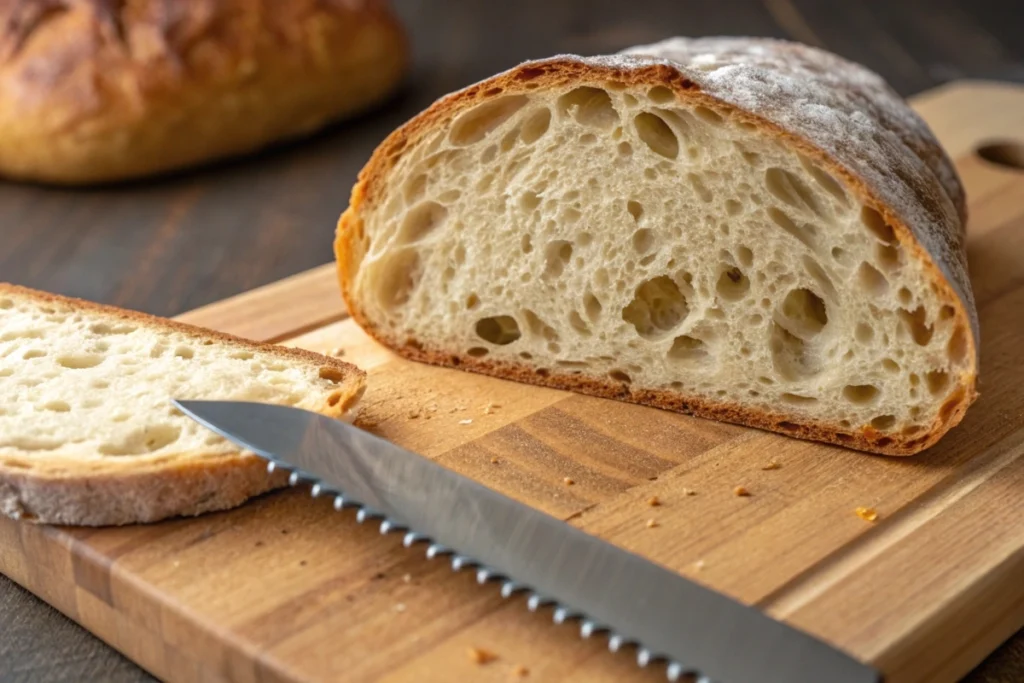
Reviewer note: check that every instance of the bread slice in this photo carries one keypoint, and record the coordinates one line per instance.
(88, 434)
(746, 229)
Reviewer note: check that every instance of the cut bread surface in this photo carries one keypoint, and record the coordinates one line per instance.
(88, 434)
(601, 227)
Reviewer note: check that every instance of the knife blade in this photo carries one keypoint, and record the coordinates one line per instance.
(693, 629)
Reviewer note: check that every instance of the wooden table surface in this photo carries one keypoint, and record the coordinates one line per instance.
(171, 245)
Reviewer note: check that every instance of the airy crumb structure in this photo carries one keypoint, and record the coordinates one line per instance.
(746, 229)
(88, 434)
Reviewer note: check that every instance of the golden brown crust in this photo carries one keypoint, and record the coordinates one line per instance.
(115, 491)
(560, 72)
(96, 90)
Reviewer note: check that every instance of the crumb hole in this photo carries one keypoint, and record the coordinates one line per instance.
(656, 134)
(477, 352)
(883, 422)
(659, 94)
(536, 126)
(915, 323)
(708, 115)
(556, 255)
(860, 394)
(184, 352)
(500, 330)
(658, 306)
(619, 376)
(863, 333)
(957, 347)
(145, 440)
(732, 285)
(797, 399)
(420, 221)
(804, 234)
(589, 106)
(34, 353)
(874, 222)
(790, 189)
(937, 382)
(687, 349)
(643, 241)
(871, 280)
(80, 362)
(334, 375)
(635, 208)
(57, 406)
(803, 313)
(477, 123)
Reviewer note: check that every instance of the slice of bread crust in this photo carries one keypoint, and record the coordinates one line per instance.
(869, 343)
(88, 435)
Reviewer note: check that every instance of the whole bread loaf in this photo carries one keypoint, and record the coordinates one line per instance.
(88, 433)
(746, 229)
(94, 91)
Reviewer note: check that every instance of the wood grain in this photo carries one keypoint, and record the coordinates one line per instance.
(286, 589)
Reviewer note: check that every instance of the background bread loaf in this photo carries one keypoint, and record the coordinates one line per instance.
(88, 434)
(747, 229)
(94, 91)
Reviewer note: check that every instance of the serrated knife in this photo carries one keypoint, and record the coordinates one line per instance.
(690, 628)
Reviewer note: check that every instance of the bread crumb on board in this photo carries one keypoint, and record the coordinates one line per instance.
(867, 514)
(337, 352)
(400, 607)
(568, 481)
(490, 408)
(407, 578)
(653, 501)
(651, 523)
(478, 655)
(689, 492)
(772, 465)
(741, 491)
(466, 422)
(494, 460)
(520, 671)
(698, 565)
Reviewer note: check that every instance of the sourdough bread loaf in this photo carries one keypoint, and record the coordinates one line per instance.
(88, 434)
(94, 91)
(746, 229)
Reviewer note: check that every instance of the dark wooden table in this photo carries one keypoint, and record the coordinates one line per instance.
(171, 245)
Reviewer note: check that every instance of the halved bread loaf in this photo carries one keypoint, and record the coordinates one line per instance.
(88, 434)
(746, 229)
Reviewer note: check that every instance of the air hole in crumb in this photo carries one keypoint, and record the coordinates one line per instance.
(790, 356)
(556, 256)
(888, 256)
(625, 149)
(883, 422)
(635, 209)
(658, 306)
(242, 355)
(937, 382)
(104, 328)
(619, 376)
(871, 280)
(801, 233)
(890, 365)
(957, 347)
(745, 256)
(656, 134)
(915, 323)
(99, 384)
(708, 115)
(526, 243)
(841, 256)
(701, 189)
(34, 353)
(120, 417)
(874, 222)
(420, 221)
(583, 239)
(686, 348)
(145, 440)
(57, 406)
(592, 306)
(536, 126)
(827, 182)
(643, 241)
(904, 296)
(732, 285)
(589, 106)
(659, 94)
(803, 313)
(400, 274)
(184, 352)
(477, 352)
(792, 190)
(860, 394)
(477, 123)
(472, 301)
(863, 333)
(331, 374)
(79, 362)
(6, 304)
(797, 399)
(577, 323)
(732, 207)
(334, 399)
(500, 330)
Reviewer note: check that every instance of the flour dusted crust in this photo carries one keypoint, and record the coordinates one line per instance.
(96, 91)
(59, 487)
(839, 115)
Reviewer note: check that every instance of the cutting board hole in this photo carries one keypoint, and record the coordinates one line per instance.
(1003, 153)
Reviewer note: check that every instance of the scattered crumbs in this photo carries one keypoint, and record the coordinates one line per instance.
(568, 481)
(653, 501)
(689, 492)
(741, 491)
(772, 465)
(338, 351)
(867, 514)
(457, 409)
(302, 563)
(407, 578)
(400, 607)
(698, 565)
(414, 414)
(379, 575)
(480, 656)
(520, 671)
(466, 422)
(651, 523)
(494, 460)
(490, 408)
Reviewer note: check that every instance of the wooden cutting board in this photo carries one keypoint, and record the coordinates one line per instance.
(286, 589)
